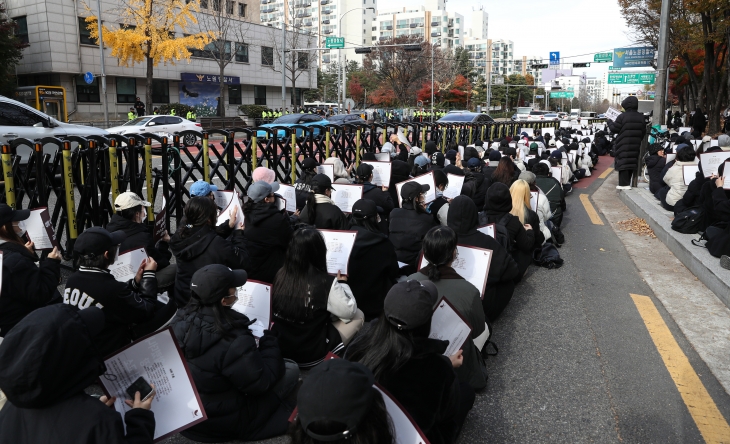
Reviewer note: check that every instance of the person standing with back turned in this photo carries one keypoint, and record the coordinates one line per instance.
(631, 130)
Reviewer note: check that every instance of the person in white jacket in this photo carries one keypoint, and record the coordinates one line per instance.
(543, 204)
(342, 174)
(675, 189)
(584, 160)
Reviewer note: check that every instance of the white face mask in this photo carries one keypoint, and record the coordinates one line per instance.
(20, 230)
(144, 214)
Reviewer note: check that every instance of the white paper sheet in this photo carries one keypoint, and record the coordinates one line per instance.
(550, 131)
(226, 200)
(448, 325)
(689, 173)
(345, 196)
(158, 359)
(612, 114)
(328, 170)
(382, 157)
(472, 264)
(339, 247)
(711, 162)
(289, 194)
(488, 230)
(40, 229)
(405, 428)
(480, 340)
(381, 172)
(671, 157)
(454, 188)
(424, 179)
(254, 300)
(533, 200)
(683, 129)
(160, 222)
(564, 124)
(127, 264)
(557, 173)
(402, 264)
(530, 132)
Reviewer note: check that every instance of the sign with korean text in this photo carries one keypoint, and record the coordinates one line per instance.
(633, 57)
(209, 78)
(633, 78)
(562, 94)
(603, 57)
(334, 42)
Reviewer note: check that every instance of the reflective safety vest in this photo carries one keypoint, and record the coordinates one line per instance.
(263, 114)
(189, 115)
(130, 115)
(172, 112)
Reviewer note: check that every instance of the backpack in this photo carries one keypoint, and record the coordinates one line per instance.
(547, 256)
(689, 221)
(501, 233)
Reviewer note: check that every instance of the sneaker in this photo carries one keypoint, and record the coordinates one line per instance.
(619, 187)
(725, 262)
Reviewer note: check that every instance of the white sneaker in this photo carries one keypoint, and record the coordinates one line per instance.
(619, 187)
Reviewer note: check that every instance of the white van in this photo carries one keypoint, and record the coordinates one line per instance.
(523, 112)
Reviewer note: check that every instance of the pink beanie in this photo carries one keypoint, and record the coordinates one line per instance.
(263, 173)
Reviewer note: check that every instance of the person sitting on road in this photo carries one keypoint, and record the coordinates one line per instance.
(520, 191)
(654, 165)
(202, 188)
(49, 358)
(320, 211)
(379, 195)
(306, 299)
(342, 174)
(409, 224)
(25, 286)
(125, 304)
(263, 173)
(439, 208)
(671, 194)
(475, 184)
(243, 385)
(338, 403)
(397, 349)
(302, 185)
(197, 244)
(439, 249)
(505, 172)
(543, 204)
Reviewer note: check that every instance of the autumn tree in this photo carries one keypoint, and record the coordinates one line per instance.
(147, 34)
(402, 72)
(11, 52)
(457, 92)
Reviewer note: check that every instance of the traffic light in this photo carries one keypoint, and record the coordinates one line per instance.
(411, 47)
(365, 50)
(542, 66)
(581, 65)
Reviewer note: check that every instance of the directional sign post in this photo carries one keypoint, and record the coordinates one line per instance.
(613, 68)
(562, 95)
(555, 58)
(334, 42)
(633, 57)
(632, 79)
(603, 57)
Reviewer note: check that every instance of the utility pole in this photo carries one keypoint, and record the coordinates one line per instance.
(662, 79)
(283, 64)
(101, 58)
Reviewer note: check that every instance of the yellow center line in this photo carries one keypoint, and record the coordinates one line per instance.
(712, 425)
(605, 173)
(595, 218)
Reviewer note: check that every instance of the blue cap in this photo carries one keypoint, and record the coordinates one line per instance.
(421, 161)
(202, 188)
(473, 162)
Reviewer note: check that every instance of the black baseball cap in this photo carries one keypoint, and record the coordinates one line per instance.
(309, 163)
(409, 304)
(365, 209)
(212, 282)
(364, 170)
(8, 214)
(321, 181)
(337, 391)
(96, 241)
(411, 190)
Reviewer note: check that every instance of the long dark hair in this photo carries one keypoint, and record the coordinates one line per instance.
(307, 252)
(129, 213)
(198, 211)
(438, 249)
(375, 427)
(505, 171)
(369, 224)
(8, 234)
(223, 317)
(311, 204)
(383, 348)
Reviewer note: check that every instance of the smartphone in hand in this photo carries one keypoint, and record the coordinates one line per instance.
(143, 387)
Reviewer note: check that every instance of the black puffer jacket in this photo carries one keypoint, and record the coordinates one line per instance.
(204, 247)
(25, 285)
(407, 229)
(476, 186)
(655, 165)
(372, 271)
(233, 376)
(267, 233)
(140, 236)
(499, 203)
(48, 361)
(399, 172)
(383, 199)
(327, 215)
(631, 130)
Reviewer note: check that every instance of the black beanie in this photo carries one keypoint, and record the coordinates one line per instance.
(499, 198)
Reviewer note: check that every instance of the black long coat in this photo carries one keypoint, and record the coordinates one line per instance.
(631, 130)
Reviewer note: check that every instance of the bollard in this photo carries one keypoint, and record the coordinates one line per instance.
(293, 156)
(8, 175)
(482, 133)
(443, 140)
(423, 139)
(68, 184)
(327, 144)
(254, 151)
(148, 177)
(113, 171)
(40, 177)
(458, 140)
(491, 132)
(357, 149)
(206, 158)
(470, 134)
(92, 184)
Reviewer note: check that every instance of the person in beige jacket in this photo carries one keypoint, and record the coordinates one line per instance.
(675, 189)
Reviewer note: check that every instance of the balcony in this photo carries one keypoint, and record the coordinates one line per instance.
(325, 22)
(325, 2)
(413, 25)
(389, 28)
(435, 34)
(435, 23)
(327, 31)
(326, 11)
(451, 23)
(383, 38)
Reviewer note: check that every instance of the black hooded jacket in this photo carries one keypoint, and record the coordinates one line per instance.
(631, 129)
(372, 271)
(233, 376)
(399, 172)
(204, 247)
(140, 236)
(499, 203)
(48, 361)
(655, 165)
(407, 229)
(267, 233)
(25, 285)
(383, 199)
(476, 186)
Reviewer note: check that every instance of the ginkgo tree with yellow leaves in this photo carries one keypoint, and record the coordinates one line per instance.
(148, 34)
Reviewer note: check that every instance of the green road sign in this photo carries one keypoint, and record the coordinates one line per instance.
(334, 42)
(603, 57)
(611, 68)
(562, 95)
(628, 79)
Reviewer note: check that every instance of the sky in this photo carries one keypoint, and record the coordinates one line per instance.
(537, 27)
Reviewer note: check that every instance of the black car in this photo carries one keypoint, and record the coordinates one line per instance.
(341, 119)
(465, 117)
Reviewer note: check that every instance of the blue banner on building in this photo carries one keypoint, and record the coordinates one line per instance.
(209, 78)
(633, 57)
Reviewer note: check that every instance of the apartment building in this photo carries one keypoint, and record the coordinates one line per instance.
(428, 22)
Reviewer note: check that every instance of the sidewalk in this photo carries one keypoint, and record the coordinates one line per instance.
(697, 259)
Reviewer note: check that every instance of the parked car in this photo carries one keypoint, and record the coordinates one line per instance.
(465, 117)
(562, 115)
(522, 113)
(18, 120)
(294, 119)
(551, 116)
(537, 115)
(164, 126)
(340, 119)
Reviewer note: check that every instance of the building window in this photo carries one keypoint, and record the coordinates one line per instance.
(160, 91)
(303, 60)
(21, 31)
(126, 90)
(242, 52)
(234, 94)
(204, 4)
(229, 7)
(87, 93)
(216, 5)
(259, 95)
(85, 33)
(242, 9)
(267, 57)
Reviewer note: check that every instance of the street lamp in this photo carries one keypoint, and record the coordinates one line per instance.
(343, 95)
(433, 46)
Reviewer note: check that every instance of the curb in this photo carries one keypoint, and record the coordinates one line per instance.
(697, 259)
